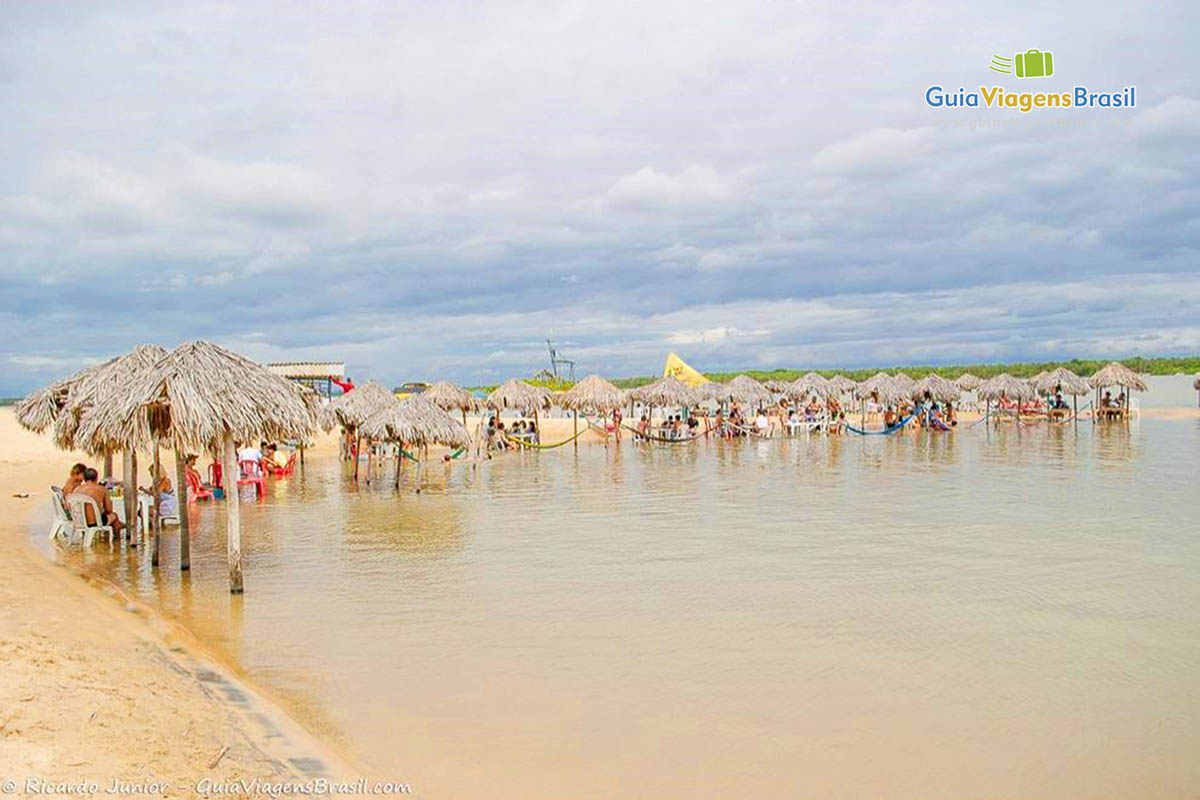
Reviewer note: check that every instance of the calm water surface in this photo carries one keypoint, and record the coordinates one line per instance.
(1003, 613)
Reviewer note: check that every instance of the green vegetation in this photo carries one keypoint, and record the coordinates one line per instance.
(8, 401)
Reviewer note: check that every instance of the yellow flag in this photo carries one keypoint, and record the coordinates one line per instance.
(676, 368)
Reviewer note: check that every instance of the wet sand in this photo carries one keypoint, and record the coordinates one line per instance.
(96, 688)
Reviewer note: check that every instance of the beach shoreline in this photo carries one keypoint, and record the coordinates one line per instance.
(100, 690)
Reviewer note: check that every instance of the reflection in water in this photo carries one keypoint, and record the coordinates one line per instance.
(924, 615)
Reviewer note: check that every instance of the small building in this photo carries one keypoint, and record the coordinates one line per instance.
(320, 376)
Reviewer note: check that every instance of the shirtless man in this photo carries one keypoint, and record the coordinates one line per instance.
(74, 479)
(94, 490)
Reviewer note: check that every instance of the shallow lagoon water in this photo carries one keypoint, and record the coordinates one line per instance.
(1008, 612)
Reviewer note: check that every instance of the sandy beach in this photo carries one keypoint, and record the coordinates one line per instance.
(96, 688)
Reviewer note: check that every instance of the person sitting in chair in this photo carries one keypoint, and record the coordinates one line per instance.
(94, 490)
(74, 480)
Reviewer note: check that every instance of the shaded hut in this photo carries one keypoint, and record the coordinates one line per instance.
(1061, 380)
(451, 397)
(937, 388)
(592, 394)
(778, 386)
(204, 396)
(519, 396)
(842, 384)
(745, 390)
(905, 382)
(415, 421)
(968, 382)
(881, 387)
(1002, 387)
(810, 384)
(351, 410)
(1117, 374)
(38, 410)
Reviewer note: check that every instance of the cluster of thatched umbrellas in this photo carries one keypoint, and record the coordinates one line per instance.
(199, 396)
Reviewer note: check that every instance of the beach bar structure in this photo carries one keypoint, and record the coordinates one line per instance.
(316, 375)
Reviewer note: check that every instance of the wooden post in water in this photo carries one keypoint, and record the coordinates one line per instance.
(156, 528)
(357, 449)
(181, 497)
(233, 534)
(108, 466)
(399, 461)
(575, 414)
(130, 500)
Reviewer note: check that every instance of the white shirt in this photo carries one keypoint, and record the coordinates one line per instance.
(761, 422)
(249, 454)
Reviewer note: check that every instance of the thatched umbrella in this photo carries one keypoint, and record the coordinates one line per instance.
(205, 396)
(451, 397)
(38, 410)
(517, 395)
(905, 382)
(415, 421)
(810, 384)
(777, 386)
(594, 394)
(745, 390)
(843, 384)
(1062, 380)
(937, 387)
(664, 392)
(968, 382)
(101, 386)
(351, 409)
(1117, 374)
(880, 385)
(1004, 386)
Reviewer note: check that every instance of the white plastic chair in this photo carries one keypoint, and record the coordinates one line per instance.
(61, 526)
(80, 503)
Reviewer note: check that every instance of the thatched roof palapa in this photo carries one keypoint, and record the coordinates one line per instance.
(745, 390)
(38, 410)
(415, 420)
(1117, 374)
(810, 384)
(198, 394)
(905, 382)
(1061, 379)
(881, 385)
(351, 409)
(937, 387)
(968, 382)
(451, 397)
(593, 393)
(101, 387)
(843, 384)
(777, 386)
(1005, 385)
(666, 392)
(518, 395)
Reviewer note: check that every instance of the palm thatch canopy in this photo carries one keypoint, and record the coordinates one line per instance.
(665, 392)
(197, 395)
(745, 390)
(518, 395)
(352, 408)
(415, 420)
(451, 397)
(1005, 385)
(1063, 380)
(593, 393)
(882, 386)
(810, 384)
(968, 382)
(38, 410)
(905, 381)
(101, 387)
(843, 384)
(777, 386)
(1117, 374)
(937, 387)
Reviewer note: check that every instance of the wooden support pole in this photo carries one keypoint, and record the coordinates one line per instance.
(368, 461)
(132, 528)
(108, 466)
(181, 496)
(576, 430)
(357, 450)
(156, 528)
(399, 461)
(233, 523)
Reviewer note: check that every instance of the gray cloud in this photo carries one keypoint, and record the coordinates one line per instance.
(427, 190)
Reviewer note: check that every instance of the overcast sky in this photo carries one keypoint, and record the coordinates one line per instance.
(431, 190)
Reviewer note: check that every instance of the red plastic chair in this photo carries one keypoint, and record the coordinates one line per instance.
(252, 473)
(194, 490)
(286, 469)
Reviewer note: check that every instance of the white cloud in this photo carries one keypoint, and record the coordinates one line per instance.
(879, 150)
(650, 190)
